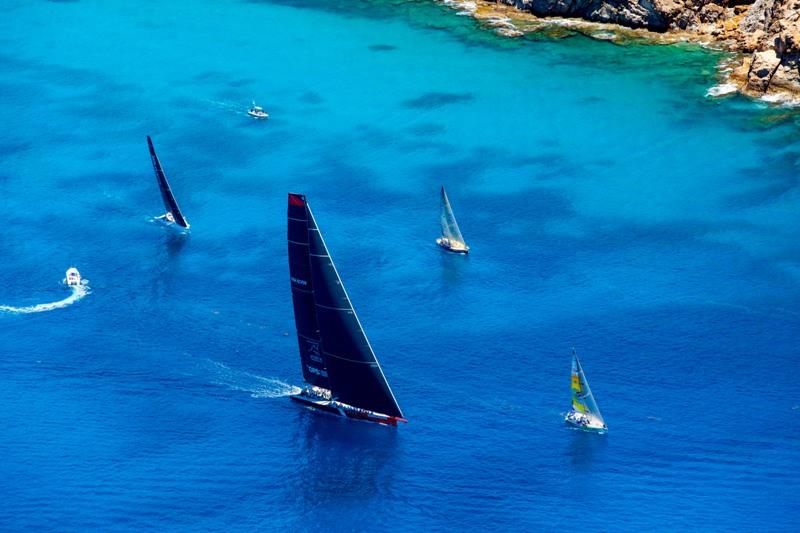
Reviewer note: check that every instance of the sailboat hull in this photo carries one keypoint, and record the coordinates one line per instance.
(347, 411)
(164, 220)
(444, 243)
(592, 426)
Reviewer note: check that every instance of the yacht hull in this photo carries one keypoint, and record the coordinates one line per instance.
(346, 411)
(164, 221)
(444, 244)
(591, 427)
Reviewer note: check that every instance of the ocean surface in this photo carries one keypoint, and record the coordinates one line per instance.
(610, 206)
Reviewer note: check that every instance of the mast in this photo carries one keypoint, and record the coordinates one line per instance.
(354, 373)
(305, 318)
(582, 397)
(166, 192)
(450, 229)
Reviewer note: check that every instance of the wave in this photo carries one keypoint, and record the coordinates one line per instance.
(78, 292)
(722, 89)
(257, 386)
(502, 26)
(463, 7)
(780, 100)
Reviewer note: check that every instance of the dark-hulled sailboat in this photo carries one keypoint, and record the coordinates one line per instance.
(343, 375)
(451, 239)
(173, 214)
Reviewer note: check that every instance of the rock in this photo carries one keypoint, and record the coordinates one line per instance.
(787, 76)
(650, 14)
(739, 73)
(762, 67)
(766, 31)
(749, 42)
(711, 13)
(758, 16)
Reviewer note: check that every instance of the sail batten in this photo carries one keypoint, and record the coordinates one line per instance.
(170, 204)
(354, 375)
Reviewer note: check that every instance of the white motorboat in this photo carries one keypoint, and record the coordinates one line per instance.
(73, 277)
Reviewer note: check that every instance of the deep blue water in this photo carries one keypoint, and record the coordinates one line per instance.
(608, 204)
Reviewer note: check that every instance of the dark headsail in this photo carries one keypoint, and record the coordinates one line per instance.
(166, 193)
(305, 318)
(355, 375)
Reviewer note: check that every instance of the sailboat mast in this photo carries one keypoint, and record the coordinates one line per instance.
(170, 204)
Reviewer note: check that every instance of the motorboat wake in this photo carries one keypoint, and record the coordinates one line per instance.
(78, 287)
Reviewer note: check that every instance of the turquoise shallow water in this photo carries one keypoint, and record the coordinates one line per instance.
(609, 206)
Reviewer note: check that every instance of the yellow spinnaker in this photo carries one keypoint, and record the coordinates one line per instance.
(578, 406)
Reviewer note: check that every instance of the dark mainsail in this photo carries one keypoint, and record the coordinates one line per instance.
(166, 193)
(354, 374)
(305, 319)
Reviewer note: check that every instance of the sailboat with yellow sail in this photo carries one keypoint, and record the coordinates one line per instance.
(584, 413)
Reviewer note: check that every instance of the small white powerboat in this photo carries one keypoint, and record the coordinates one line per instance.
(257, 111)
(73, 278)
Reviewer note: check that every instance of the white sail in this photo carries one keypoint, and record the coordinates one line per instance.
(450, 230)
(582, 397)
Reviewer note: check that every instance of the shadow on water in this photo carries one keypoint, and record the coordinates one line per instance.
(341, 460)
(453, 266)
(174, 241)
(433, 100)
(382, 47)
(166, 271)
(585, 449)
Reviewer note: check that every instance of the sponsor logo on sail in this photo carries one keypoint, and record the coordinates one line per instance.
(312, 348)
(317, 371)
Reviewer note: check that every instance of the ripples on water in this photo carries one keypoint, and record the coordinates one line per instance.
(609, 206)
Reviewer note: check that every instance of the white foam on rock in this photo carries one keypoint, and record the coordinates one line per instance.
(723, 89)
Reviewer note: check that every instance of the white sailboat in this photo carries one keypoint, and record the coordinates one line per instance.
(451, 239)
(256, 111)
(72, 277)
(584, 413)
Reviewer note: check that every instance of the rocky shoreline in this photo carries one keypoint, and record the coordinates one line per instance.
(763, 35)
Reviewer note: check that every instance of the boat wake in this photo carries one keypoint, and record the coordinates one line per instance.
(230, 107)
(78, 292)
(256, 386)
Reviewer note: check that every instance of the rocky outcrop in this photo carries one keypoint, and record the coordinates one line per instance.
(765, 32)
(770, 31)
(655, 14)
